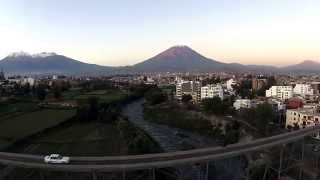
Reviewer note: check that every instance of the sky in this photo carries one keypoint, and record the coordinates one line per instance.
(124, 32)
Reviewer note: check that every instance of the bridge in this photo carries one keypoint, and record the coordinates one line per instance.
(152, 162)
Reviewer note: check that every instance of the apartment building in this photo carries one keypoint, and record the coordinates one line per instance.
(192, 88)
(280, 92)
(303, 90)
(303, 117)
(212, 90)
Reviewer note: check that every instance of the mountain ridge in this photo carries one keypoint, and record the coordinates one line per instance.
(174, 59)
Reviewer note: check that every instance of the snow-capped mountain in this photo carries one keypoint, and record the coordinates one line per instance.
(47, 63)
(24, 54)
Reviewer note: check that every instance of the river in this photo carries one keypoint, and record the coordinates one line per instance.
(169, 141)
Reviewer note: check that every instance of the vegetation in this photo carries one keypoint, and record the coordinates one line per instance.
(13, 107)
(244, 89)
(260, 117)
(79, 139)
(138, 142)
(262, 91)
(31, 123)
(177, 117)
(41, 92)
(232, 133)
(99, 131)
(213, 80)
(155, 96)
(216, 106)
(186, 98)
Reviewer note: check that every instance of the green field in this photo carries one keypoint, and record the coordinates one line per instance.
(80, 139)
(19, 127)
(14, 108)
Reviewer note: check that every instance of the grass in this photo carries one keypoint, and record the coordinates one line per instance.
(6, 109)
(19, 127)
(71, 94)
(105, 96)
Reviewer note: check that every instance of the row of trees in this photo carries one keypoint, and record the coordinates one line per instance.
(244, 89)
(217, 106)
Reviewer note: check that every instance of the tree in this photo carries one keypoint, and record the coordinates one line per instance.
(26, 89)
(244, 89)
(186, 98)
(41, 92)
(264, 115)
(57, 91)
(214, 105)
(232, 133)
(155, 96)
(271, 81)
(93, 108)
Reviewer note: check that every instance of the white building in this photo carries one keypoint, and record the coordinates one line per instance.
(303, 90)
(303, 117)
(192, 88)
(28, 80)
(280, 92)
(212, 90)
(242, 104)
(230, 83)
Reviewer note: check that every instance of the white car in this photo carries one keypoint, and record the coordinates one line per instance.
(56, 159)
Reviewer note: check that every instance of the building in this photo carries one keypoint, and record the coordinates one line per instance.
(303, 90)
(230, 83)
(212, 90)
(280, 92)
(192, 88)
(316, 87)
(277, 105)
(242, 104)
(28, 80)
(303, 117)
(22, 80)
(258, 83)
(279, 110)
(2, 76)
(294, 103)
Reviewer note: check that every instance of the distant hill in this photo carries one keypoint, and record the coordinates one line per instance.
(48, 63)
(307, 66)
(174, 59)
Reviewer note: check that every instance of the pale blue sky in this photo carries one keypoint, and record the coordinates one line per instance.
(123, 32)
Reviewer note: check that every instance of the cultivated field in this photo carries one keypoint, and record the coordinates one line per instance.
(19, 127)
(81, 139)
